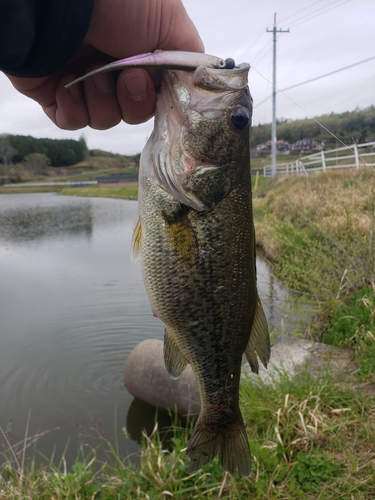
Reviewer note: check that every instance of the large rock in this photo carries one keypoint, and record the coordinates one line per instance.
(291, 354)
(146, 378)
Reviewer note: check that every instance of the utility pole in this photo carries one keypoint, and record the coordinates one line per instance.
(273, 137)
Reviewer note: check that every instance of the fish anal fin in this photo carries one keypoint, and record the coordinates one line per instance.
(174, 360)
(233, 449)
(259, 342)
(136, 244)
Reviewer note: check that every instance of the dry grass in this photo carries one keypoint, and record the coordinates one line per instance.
(334, 201)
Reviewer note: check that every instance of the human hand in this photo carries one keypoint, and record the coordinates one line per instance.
(118, 29)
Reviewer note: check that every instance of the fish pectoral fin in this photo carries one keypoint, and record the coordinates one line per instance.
(174, 361)
(136, 244)
(259, 341)
(182, 239)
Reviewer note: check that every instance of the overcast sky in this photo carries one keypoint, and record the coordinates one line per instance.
(325, 35)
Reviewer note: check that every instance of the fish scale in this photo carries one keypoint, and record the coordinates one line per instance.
(195, 235)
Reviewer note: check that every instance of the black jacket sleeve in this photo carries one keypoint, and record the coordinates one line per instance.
(37, 37)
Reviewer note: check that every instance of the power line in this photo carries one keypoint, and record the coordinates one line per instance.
(301, 10)
(317, 13)
(317, 78)
(328, 74)
(308, 114)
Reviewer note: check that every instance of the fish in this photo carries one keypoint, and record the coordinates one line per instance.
(195, 236)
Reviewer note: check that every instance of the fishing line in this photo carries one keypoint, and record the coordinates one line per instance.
(310, 116)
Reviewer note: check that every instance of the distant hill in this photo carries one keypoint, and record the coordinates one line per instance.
(351, 126)
(60, 152)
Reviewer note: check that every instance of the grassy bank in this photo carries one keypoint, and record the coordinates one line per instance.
(319, 231)
(129, 192)
(310, 439)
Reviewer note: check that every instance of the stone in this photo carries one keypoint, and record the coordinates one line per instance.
(291, 354)
(146, 378)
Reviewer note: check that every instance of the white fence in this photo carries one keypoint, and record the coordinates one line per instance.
(352, 156)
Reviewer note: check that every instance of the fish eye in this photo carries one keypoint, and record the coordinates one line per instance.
(240, 118)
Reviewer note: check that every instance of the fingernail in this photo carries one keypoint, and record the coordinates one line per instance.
(136, 84)
(75, 90)
(104, 82)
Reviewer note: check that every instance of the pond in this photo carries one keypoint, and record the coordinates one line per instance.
(72, 307)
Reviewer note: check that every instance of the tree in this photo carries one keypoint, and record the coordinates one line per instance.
(37, 163)
(7, 152)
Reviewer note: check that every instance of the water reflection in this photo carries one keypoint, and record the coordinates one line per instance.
(25, 221)
(284, 314)
(72, 307)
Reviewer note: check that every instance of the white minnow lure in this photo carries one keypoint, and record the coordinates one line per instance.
(169, 59)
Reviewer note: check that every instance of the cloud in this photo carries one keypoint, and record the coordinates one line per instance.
(321, 39)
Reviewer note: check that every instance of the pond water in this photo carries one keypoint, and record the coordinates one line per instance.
(72, 307)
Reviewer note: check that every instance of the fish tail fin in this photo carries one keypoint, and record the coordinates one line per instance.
(233, 449)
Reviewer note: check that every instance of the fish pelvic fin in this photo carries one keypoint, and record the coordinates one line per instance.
(136, 244)
(259, 341)
(174, 360)
(233, 449)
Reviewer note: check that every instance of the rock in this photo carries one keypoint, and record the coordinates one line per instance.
(146, 378)
(291, 354)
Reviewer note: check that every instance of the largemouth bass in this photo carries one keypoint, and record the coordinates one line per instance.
(196, 238)
(195, 235)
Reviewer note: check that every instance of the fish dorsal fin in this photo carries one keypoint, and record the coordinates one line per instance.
(136, 245)
(259, 341)
(174, 361)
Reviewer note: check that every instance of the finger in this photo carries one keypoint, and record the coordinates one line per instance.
(177, 31)
(101, 100)
(136, 95)
(69, 110)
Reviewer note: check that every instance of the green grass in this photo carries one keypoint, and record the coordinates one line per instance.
(30, 189)
(353, 326)
(319, 232)
(130, 193)
(311, 438)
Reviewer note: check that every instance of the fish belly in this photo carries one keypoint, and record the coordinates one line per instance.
(199, 271)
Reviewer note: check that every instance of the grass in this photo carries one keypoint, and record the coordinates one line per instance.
(130, 193)
(311, 438)
(320, 233)
(88, 170)
(353, 326)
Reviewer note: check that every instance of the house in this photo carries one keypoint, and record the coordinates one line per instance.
(282, 147)
(306, 144)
